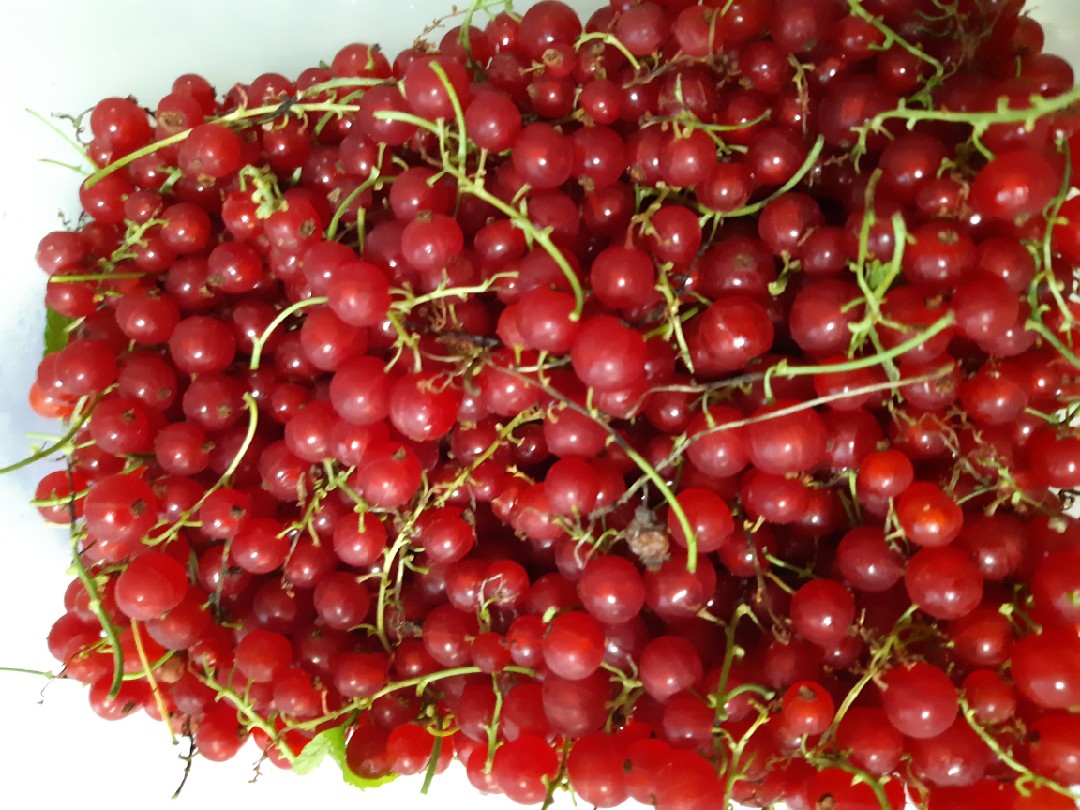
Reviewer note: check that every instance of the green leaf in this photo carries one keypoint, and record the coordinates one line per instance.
(56, 330)
(332, 743)
(313, 754)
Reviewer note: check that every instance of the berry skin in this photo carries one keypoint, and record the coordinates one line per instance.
(919, 700)
(608, 356)
(669, 664)
(151, 585)
(574, 646)
(822, 611)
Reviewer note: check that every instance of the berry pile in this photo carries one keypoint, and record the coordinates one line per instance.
(675, 406)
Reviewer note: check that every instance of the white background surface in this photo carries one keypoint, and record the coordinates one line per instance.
(62, 56)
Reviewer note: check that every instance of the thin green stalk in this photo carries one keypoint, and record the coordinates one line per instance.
(1046, 248)
(343, 82)
(451, 292)
(74, 144)
(613, 41)
(459, 114)
(420, 683)
(892, 37)
(682, 444)
(55, 447)
(857, 774)
(978, 121)
(433, 764)
(331, 229)
(877, 662)
(731, 651)
(658, 481)
(236, 116)
(225, 477)
(674, 318)
(79, 170)
(389, 556)
(493, 726)
(782, 369)
(737, 750)
(259, 343)
(1040, 329)
(642, 464)
(95, 277)
(541, 237)
(407, 118)
(794, 180)
(373, 180)
(251, 717)
(504, 432)
(107, 627)
(38, 672)
(559, 779)
(710, 128)
(1005, 757)
(148, 672)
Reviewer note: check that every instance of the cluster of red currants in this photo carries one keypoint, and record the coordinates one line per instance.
(674, 407)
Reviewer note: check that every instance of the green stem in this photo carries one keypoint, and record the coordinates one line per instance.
(674, 317)
(731, 652)
(876, 664)
(892, 37)
(459, 114)
(229, 118)
(433, 764)
(148, 673)
(781, 369)
(710, 128)
(749, 688)
(493, 726)
(79, 170)
(1005, 757)
(642, 464)
(259, 343)
(794, 180)
(1039, 328)
(134, 676)
(253, 719)
(422, 682)
(407, 118)
(95, 277)
(466, 22)
(331, 229)
(816, 401)
(373, 180)
(857, 772)
(389, 556)
(737, 750)
(223, 480)
(673, 504)
(862, 257)
(505, 431)
(978, 121)
(559, 779)
(107, 626)
(350, 82)
(451, 292)
(67, 138)
(611, 40)
(1047, 269)
(541, 237)
(682, 445)
(56, 447)
(38, 672)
